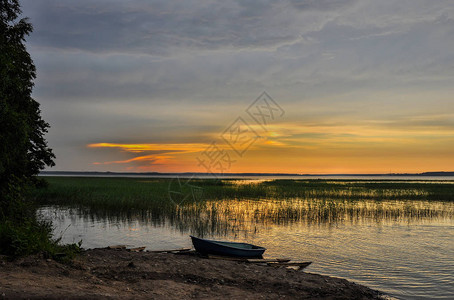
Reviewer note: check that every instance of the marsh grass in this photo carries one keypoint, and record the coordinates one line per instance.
(228, 206)
(136, 194)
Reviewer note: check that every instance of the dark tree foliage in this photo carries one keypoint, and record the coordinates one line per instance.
(23, 148)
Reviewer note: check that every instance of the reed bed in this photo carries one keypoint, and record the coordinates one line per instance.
(204, 206)
(134, 193)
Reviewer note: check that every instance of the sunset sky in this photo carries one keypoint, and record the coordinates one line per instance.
(168, 86)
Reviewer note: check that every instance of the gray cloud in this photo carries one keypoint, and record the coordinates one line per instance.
(169, 70)
(322, 5)
(158, 27)
(105, 49)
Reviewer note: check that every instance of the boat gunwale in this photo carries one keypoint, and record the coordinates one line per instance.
(221, 243)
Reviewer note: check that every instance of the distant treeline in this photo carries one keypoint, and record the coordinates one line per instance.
(75, 173)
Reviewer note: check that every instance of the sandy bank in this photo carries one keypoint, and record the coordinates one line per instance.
(119, 274)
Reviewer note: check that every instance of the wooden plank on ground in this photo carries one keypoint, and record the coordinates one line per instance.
(117, 247)
(296, 268)
(295, 264)
(138, 249)
(210, 256)
(185, 252)
(170, 251)
(275, 260)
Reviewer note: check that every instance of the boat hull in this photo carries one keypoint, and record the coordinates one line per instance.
(205, 247)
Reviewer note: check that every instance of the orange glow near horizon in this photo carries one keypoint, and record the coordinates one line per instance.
(306, 148)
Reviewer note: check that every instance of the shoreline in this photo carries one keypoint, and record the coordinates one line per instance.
(120, 274)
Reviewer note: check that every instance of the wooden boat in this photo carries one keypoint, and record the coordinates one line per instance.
(204, 246)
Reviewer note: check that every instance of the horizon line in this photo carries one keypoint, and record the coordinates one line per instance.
(428, 173)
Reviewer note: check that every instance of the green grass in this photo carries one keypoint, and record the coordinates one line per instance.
(22, 232)
(209, 206)
(204, 206)
(33, 236)
(104, 193)
(125, 194)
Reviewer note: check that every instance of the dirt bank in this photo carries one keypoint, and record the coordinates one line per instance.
(119, 274)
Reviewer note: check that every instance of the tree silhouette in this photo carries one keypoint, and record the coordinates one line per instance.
(23, 148)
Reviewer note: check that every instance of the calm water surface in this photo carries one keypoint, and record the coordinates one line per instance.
(403, 248)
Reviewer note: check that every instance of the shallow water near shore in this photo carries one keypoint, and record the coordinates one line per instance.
(402, 248)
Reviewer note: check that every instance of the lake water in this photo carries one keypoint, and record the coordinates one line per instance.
(259, 176)
(402, 248)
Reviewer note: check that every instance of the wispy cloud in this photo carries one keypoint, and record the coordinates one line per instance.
(161, 154)
(138, 148)
(141, 160)
(164, 78)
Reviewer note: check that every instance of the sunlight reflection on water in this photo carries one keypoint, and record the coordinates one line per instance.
(404, 248)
